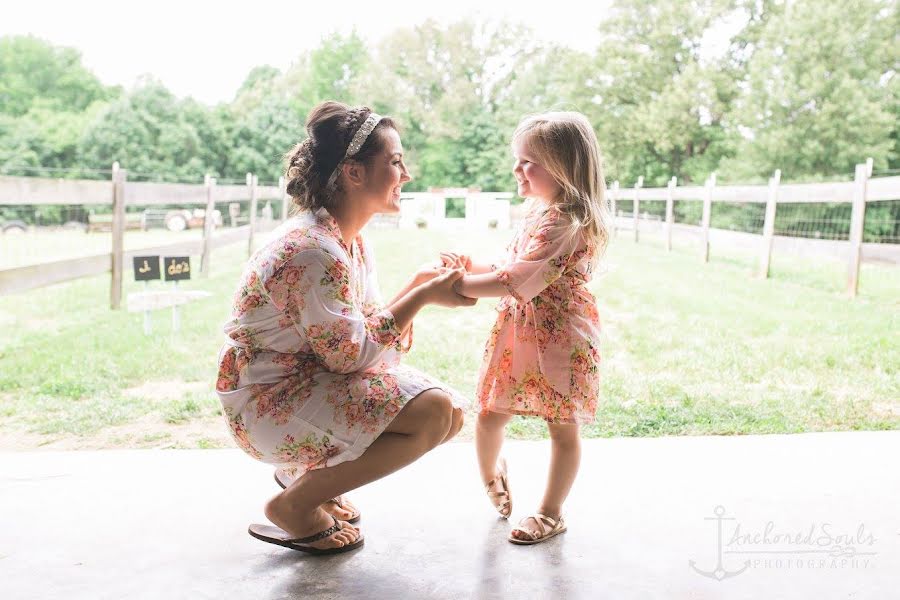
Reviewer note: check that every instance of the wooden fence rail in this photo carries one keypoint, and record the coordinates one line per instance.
(118, 193)
(858, 193)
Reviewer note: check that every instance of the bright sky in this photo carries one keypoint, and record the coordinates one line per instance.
(206, 49)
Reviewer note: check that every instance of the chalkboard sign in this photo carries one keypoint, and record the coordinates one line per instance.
(177, 267)
(146, 268)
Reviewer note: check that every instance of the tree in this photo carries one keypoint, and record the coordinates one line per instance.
(156, 136)
(446, 85)
(821, 92)
(260, 138)
(33, 71)
(659, 102)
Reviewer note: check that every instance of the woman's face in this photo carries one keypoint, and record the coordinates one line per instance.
(533, 180)
(386, 173)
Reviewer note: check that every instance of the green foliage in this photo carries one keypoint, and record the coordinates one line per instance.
(822, 90)
(809, 87)
(156, 136)
(33, 72)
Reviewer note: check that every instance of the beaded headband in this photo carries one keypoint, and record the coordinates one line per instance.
(362, 134)
(359, 138)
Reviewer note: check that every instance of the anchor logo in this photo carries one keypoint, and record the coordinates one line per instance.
(719, 573)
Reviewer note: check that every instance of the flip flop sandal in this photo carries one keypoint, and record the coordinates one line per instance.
(282, 479)
(504, 507)
(280, 537)
(549, 528)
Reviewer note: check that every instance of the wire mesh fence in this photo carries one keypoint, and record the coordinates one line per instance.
(812, 220)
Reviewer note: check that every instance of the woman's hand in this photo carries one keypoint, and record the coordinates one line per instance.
(440, 290)
(427, 272)
(451, 260)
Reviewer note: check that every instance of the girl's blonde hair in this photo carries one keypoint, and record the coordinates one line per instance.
(564, 143)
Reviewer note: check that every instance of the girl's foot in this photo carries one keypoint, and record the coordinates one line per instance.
(498, 490)
(536, 529)
(303, 523)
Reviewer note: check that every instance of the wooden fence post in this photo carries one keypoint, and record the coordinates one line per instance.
(707, 213)
(252, 181)
(613, 197)
(636, 208)
(670, 210)
(857, 222)
(117, 256)
(765, 258)
(208, 225)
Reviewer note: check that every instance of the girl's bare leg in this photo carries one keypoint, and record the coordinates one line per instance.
(565, 457)
(489, 433)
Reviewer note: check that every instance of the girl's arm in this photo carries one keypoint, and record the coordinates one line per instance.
(451, 260)
(480, 269)
(485, 285)
(480, 280)
(543, 260)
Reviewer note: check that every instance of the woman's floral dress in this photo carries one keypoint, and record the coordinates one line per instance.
(310, 373)
(542, 357)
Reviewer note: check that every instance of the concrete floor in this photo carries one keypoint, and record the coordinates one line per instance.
(172, 524)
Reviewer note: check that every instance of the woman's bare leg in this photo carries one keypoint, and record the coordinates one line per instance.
(456, 424)
(422, 424)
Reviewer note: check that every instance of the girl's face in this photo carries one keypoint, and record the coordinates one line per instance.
(533, 180)
(386, 173)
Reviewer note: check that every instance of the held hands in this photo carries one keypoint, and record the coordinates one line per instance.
(441, 290)
(452, 260)
(447, 261)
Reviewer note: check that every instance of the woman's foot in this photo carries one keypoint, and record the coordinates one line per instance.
(498, 490)
(303, 523)
(536, 529)
(339, 507)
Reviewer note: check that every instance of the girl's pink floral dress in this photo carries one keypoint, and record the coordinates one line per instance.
(542, 357)
(310, 373)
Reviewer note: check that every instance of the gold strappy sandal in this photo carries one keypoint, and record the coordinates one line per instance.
(502, 500)
(549, 527)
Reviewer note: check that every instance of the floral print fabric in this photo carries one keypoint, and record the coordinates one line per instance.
(310, 373)
(542, 357)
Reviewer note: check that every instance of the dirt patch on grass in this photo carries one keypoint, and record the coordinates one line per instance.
(148, 432)
(886, 409)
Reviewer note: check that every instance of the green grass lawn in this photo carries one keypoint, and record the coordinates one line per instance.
(688, 349)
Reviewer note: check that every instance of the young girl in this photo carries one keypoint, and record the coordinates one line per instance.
(542, 356)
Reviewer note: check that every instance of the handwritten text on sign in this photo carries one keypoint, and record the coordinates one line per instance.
(177, 267)
(146, 268)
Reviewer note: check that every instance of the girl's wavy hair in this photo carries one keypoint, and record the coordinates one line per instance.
(564, 143)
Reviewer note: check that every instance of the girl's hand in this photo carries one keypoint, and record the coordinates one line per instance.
(451, 260)
(440, 290)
